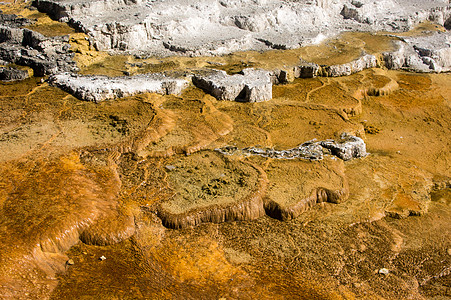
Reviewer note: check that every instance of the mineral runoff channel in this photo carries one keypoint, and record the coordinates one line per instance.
(90, 193)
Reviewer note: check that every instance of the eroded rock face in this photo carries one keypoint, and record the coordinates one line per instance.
(249, 86)
(220, 27)
(26, 47)
(364, 62)
(395, 15)
(100, 88)
(12, 74)
(310, 70)
(12, 20)
(422, 54)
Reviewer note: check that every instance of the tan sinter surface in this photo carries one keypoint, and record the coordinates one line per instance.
(80, 181)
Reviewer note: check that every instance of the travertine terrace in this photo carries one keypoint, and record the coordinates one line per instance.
(220, 27)
(232, 149)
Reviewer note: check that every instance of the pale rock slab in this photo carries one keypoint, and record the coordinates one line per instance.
(364, 62)
(348, 147)
(100, 88)
(22, 46)
(250, 85)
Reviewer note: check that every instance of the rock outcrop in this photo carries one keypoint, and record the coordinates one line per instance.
(395, 15)
(348, 147)
(311, 70)
(311, 150)
(100, 88)
(364, 62)
(25, 47)
(422, 54)
(220, 27)
(249, 86)
(12, 20)
(12, 74)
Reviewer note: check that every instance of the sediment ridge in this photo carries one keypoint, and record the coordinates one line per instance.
(420, 54)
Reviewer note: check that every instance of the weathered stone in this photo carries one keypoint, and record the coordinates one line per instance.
(100, 88)
(13, 35)
(348, 148)
(422, 54)
(12, 74)
(45, 55)
(258, 85)
(306, 70)
(249, 86)
(283, 75)
(162, 27)
(350, 13)
(364, 62)
(384, 271)
(14, 21)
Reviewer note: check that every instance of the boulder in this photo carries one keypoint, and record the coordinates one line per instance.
(347, 148)
(248, 86)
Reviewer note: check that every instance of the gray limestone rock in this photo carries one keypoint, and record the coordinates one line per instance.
(422, 54)
(100, 88)
(45, 55)
(12, 74)
(364, 62)
(14, 21)
(347, 148)
(249, 86)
